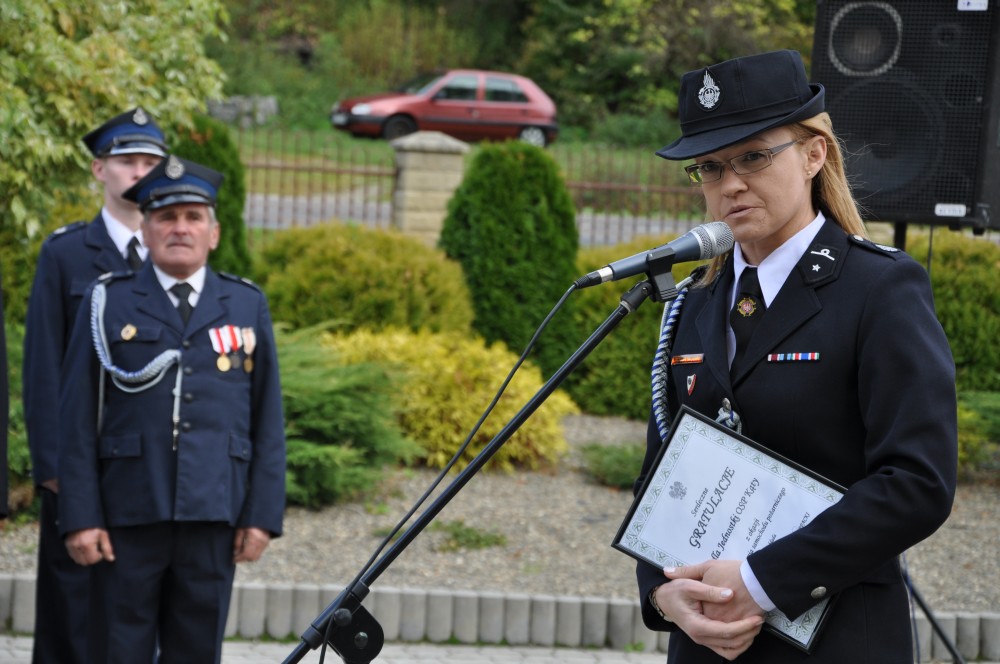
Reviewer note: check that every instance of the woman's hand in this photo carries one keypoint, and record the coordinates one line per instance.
(691, 603)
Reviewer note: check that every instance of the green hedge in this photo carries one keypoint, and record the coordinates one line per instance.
(615, 379)
(964, 272)
(512, 226)
(449, 379)
(361, 278)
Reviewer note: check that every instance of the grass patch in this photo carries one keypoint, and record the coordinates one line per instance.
(458, 536)
(614, 465)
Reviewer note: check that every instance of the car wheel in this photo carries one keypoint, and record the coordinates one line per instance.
(533, 135)
(397, 126)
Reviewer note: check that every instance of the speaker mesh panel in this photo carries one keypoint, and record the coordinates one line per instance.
(908, 91)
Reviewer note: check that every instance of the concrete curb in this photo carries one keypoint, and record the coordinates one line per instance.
(283, 610)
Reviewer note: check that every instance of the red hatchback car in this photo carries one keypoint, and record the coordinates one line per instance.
(468, 104)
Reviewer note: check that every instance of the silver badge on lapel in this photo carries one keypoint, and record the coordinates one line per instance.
(710, 94)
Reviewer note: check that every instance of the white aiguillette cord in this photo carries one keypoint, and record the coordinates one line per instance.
(129, 381)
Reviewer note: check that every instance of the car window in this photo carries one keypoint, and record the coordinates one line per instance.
(503, 89)
(419, 83)
(459, 87)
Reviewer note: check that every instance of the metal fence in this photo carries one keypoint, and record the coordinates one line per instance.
(301, 179)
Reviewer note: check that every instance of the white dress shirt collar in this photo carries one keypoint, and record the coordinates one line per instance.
(774, 270)
(121, 234)
(197, 281)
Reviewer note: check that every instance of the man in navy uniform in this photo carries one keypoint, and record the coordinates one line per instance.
(181, 474)
(124, 150)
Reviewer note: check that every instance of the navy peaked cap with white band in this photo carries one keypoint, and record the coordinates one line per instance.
(175, 180)
(132, 132)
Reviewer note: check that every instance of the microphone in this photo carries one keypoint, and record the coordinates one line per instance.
(701, 242)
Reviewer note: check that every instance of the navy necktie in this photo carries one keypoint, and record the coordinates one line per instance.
(182, 291)
(747, 311)
(132, 254)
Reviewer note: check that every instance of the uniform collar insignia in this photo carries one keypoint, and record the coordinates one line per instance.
(819, 262)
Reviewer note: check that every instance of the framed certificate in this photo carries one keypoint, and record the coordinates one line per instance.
(714, 494)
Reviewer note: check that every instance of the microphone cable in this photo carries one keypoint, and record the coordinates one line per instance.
(454, 459)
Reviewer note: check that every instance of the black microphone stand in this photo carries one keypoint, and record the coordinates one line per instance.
(354, 633)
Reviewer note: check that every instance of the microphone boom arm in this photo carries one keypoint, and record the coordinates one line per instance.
(355, 635)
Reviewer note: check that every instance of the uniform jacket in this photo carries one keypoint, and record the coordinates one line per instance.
(70, 259)
(229, 461)
(875, 413)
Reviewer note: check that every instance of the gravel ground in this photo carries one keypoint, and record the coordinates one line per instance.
(558, 527)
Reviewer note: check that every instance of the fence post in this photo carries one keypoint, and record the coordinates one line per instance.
(429, 167)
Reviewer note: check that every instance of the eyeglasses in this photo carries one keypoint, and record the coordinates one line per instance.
(745, 164)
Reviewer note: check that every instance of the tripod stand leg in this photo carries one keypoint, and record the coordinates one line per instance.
(934, 623)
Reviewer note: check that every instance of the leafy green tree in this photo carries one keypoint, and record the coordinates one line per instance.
(65, 67)
(602, 57)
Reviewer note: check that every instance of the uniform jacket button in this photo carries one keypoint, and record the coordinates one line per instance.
(188, 371)
(819, 592)
(186, 426)
(188, 397)
(186, 343)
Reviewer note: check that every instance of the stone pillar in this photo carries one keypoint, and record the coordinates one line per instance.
(429, 167)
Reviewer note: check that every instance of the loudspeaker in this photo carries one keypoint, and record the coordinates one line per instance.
(913, 89)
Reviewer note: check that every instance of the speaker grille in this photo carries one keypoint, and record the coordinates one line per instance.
(908, 89)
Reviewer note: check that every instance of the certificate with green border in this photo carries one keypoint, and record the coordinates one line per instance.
(714, 494)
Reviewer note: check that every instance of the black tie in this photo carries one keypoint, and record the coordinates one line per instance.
(747, 311)
(182, 291)
(132, 254)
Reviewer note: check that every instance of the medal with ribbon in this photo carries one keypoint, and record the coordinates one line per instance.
(221, 344)
(249, 343)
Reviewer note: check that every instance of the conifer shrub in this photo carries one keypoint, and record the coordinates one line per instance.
(512, 226)
(358, 277)
(209, 143)
(964, 272)
(448, 380)
(340, 421)
(616, 378)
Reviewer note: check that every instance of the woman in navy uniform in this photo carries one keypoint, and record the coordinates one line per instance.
(181, 474)
(124, 149)
(844, 369)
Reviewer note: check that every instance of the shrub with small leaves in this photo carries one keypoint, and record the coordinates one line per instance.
(512, 226)
(449, 379)
(963, 274)
(339, 421)
(361, 278)
(615, 378)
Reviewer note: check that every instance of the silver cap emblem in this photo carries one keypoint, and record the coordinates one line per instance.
(710, 93)
(174, 169)
(140, 117)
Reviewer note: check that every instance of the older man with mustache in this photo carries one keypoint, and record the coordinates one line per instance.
(182, 473)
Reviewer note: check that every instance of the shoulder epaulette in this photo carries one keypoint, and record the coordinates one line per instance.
(68, 228)
(883, 249)
(108, 277)
(240, 280)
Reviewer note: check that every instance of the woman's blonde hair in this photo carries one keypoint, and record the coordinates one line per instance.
(831, 192)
